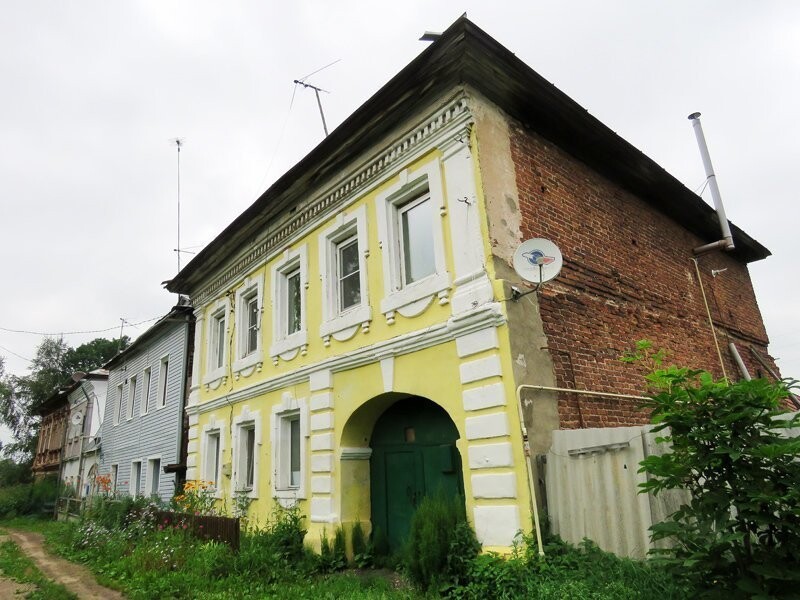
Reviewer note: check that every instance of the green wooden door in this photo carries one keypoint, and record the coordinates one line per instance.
(413, 454)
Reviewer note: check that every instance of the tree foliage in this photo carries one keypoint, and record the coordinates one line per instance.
(21, 397)
(739, 535)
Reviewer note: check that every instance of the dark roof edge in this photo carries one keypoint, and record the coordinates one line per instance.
(177, 313)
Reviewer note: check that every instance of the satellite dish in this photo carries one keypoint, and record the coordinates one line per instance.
(77, 418)
(537, 260)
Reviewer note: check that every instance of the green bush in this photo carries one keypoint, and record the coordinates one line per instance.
(739, 535)
(439, 530)
(27, 498)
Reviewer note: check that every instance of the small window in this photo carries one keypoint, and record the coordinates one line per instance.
(293, 302)
(252, 312)
(348, 274)
(153, 476)
(247, 449)
(146, 391)
(131, 396)
(136, 478)
(118, 405)
(415, 239)
(218, 340)
(162, 382)
(212, 456)
(294, 454)
(114, 474)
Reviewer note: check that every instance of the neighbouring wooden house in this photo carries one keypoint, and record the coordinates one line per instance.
(54, 414)
(143, 435)
(87, 399)
(358, 344)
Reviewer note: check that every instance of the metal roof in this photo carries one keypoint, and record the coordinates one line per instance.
(465, 55)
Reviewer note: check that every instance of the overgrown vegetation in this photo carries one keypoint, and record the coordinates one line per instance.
(27, 498)
(739, 536)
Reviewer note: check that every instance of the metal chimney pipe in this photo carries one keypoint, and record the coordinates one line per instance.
(727, 239)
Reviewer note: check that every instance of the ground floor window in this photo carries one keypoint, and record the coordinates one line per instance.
(153, 476)
(136, 478)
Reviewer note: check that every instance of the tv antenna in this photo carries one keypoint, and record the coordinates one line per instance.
(178, 143)
(317, 90)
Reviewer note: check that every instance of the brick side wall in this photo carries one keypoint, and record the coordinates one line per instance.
(627, 275)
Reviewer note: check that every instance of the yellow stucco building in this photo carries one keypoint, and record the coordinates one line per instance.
(352, 349)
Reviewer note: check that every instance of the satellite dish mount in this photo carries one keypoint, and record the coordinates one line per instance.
(537, 261)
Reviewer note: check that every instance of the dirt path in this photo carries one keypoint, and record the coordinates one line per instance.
(76, 578)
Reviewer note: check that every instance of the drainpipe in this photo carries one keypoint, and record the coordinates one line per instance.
(726, 243)
(739, 362)
(531, 487)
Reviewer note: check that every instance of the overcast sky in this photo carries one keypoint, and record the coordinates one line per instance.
(92, 92)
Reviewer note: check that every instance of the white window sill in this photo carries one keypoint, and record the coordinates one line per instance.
(353, 317)
(250, 360)
(433, 284)
(213, 376)
(290, 343)
(290, 494)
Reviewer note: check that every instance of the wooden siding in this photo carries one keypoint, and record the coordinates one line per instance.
(156, 434)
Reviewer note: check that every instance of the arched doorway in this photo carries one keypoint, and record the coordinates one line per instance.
(414, 454)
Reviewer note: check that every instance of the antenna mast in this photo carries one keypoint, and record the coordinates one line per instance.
(317, 90)
(178, 144)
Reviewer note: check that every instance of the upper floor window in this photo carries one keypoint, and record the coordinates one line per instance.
(118, 404)
(131, 396)
(289, 277)
(145, 391)
(249, 303)
(343, 262)
(217, 340)
(163, 373)
(412, 240)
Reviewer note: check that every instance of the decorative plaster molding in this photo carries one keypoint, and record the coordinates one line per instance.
(441, 126)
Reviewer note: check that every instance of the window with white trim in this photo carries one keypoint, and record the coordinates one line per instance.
(145, 391)
(412, 239)
(345, 295)
(289, 279)
(216, 344)
(131, 396)
(289, 433)
(163, 373)
(114, 477)
(249, 303)
(212, 457)
(118, 404)
(246, 443)
(135, 487)
(217, 359)
(153, 476)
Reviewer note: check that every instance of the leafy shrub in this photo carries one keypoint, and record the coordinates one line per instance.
(438, 529)
(27, 498)
(333, 556)
(362, 549)
(740, 531)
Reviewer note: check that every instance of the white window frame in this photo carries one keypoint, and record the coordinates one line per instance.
(411, 185)
(289, 410)
(245, 421)
(334, 320)
(214, 428)
(164, 365)
(146, 380)
(252, 288)
(114, 477)
(282, 341)
(148, 481)
(135, 490)
(131, 397)
(219, 309)
(118, 404)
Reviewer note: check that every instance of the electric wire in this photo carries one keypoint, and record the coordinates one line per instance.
(277, 142)
(15, 354)
(77, 332)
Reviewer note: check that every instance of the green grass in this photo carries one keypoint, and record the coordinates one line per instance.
(155, 564)
(15, 565)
